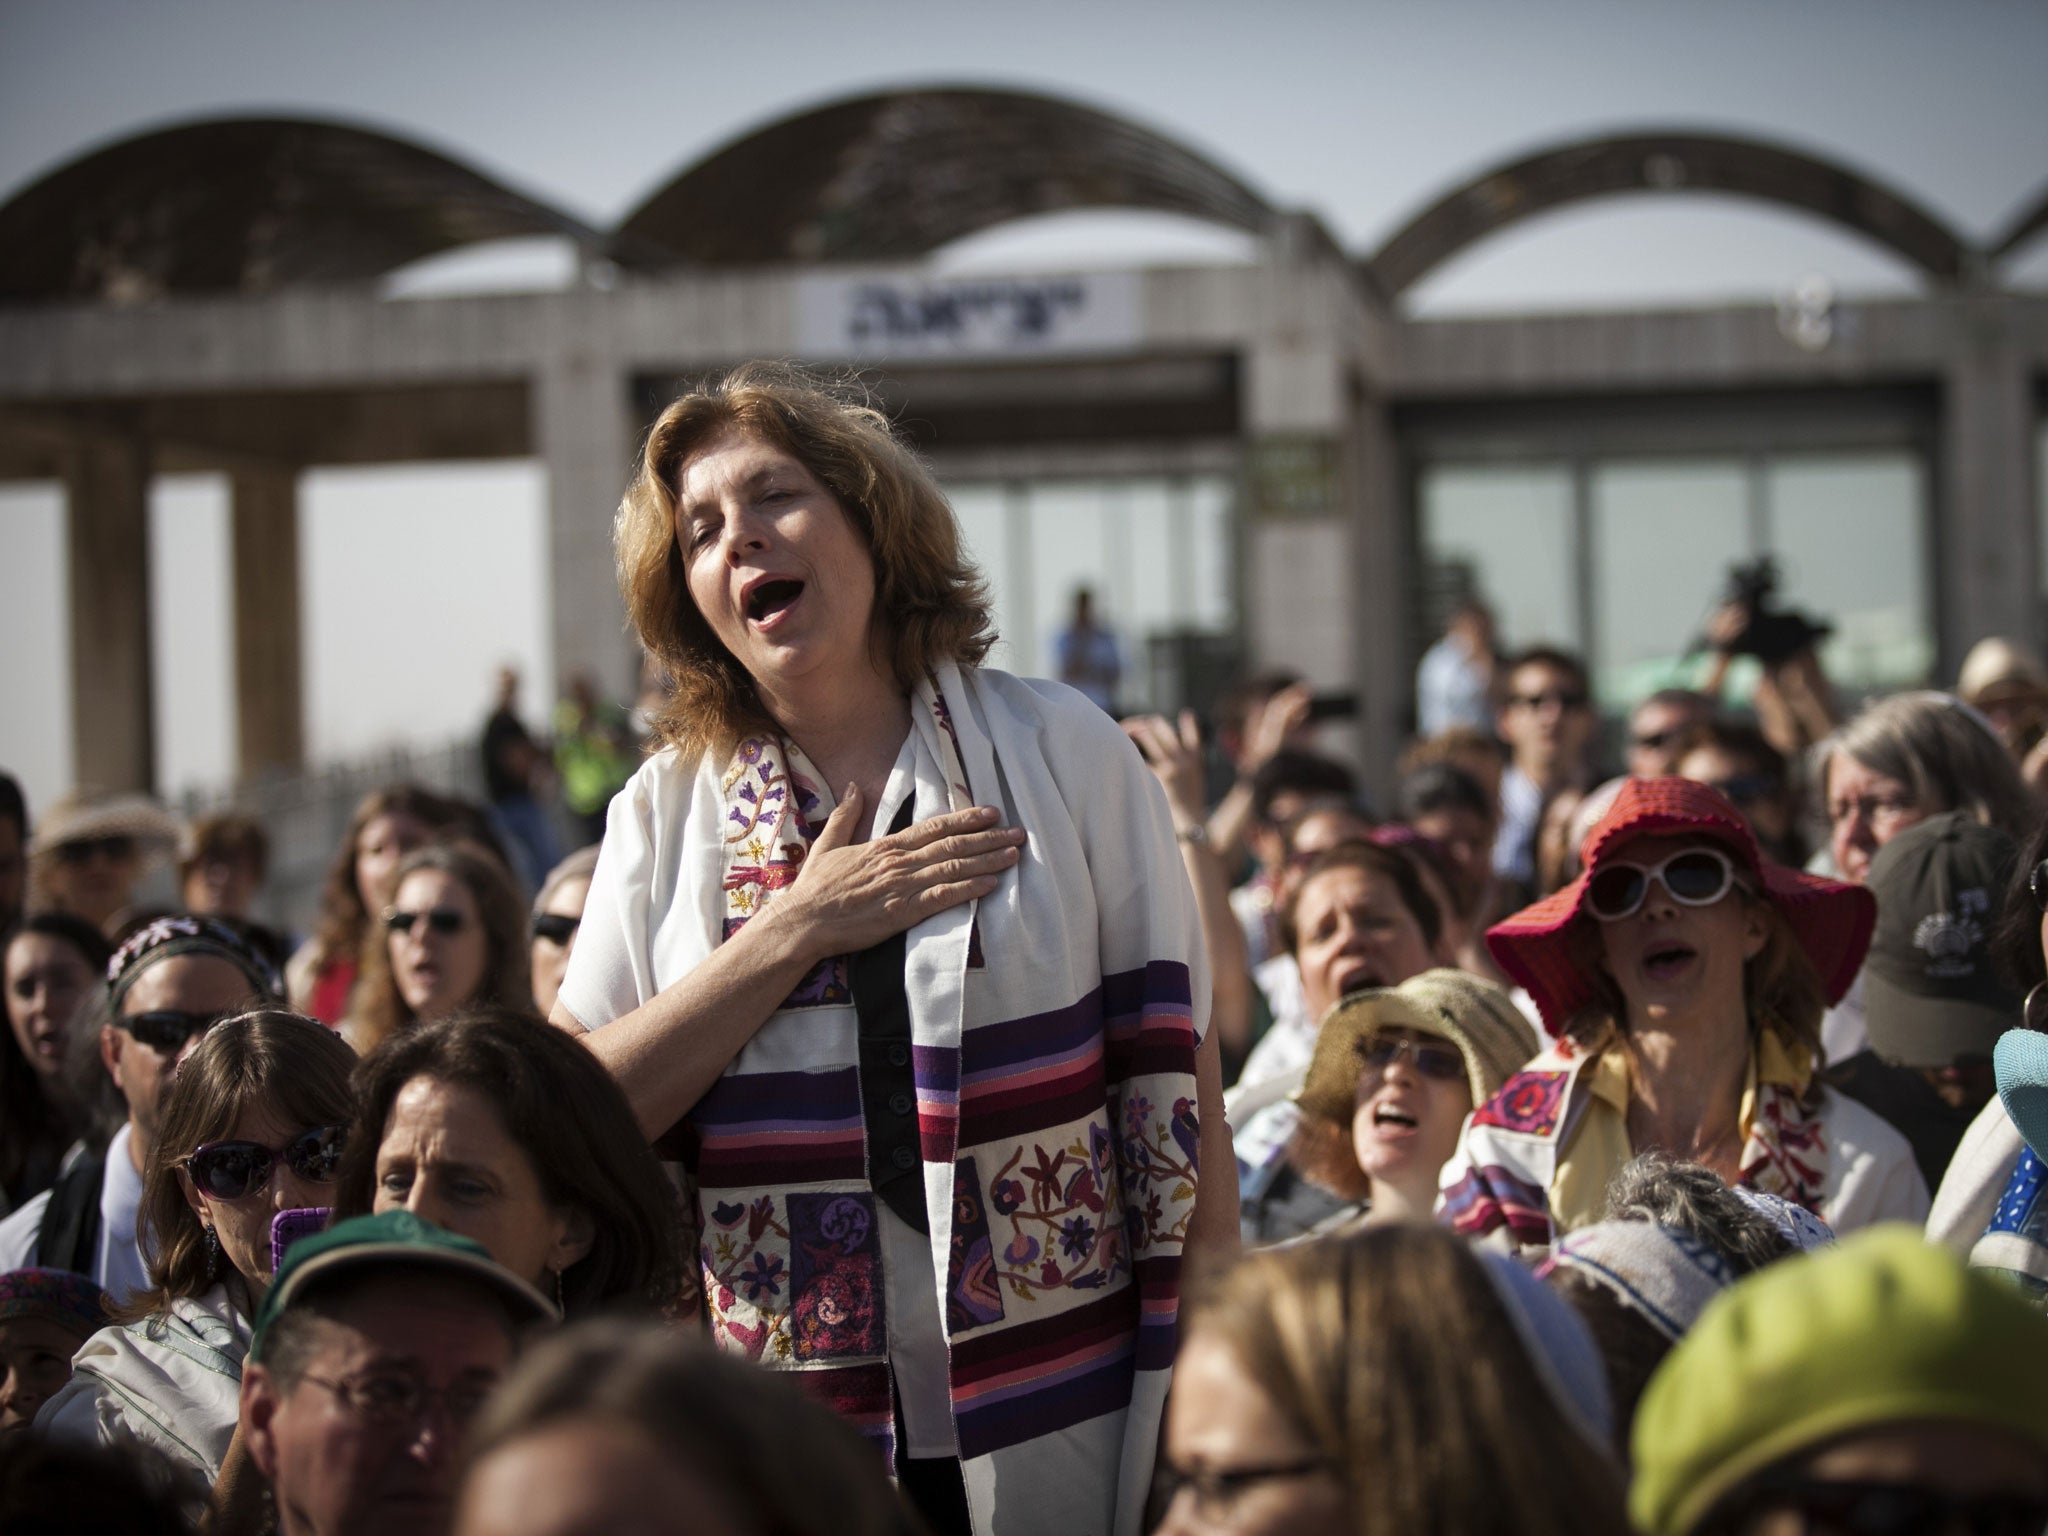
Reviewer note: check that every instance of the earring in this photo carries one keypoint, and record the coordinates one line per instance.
(560, 1306)
(2034, 1011)
(212, 1254)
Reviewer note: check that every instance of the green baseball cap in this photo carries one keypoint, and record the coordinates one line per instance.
(391, 1240)
(1931, 989)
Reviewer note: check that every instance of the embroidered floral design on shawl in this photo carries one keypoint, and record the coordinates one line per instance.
(1500, 1178)
(1067, 1139)
(1529, 1102)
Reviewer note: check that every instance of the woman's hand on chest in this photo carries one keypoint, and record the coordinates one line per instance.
(850, 896)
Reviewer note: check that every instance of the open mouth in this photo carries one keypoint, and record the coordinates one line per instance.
(1387, 1115)
(1664, 961)
(1358, 978)
(771, 598)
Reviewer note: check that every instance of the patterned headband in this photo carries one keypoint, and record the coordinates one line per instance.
(1660, 1272)
(168, 936)
(56, 1295)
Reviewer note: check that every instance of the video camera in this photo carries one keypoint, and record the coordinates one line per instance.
(1772, 634)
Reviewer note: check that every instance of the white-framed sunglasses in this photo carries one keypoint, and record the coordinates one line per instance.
(1695, 877)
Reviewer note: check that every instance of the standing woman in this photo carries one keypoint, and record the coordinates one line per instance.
(454, 937)
(939, 1082)
(1682, 979)
(51, 963)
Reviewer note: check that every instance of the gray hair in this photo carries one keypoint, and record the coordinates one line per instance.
(1941, 749)
(1692, 1198)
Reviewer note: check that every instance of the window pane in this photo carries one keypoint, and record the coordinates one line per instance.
(1664, 535)
(1505, 534)
(1847, 533)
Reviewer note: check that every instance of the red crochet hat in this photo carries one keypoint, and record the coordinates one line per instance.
(1832, 921)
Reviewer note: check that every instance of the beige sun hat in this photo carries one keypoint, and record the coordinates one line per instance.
(85, 818)
(2001, 671)
(1479, 1018)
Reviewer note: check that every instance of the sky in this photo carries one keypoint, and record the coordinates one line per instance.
(1359, 112)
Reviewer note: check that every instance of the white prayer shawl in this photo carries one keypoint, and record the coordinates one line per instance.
(1053, 1027)
(171, 1382)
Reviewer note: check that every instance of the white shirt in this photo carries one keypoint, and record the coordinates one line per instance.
(117, 1267)
(1521, 807)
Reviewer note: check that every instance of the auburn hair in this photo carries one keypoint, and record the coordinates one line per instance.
(931, 604)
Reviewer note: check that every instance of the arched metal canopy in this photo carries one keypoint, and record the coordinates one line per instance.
(2023, 229)
(1663, 162)
(248, 205)
(898, 175)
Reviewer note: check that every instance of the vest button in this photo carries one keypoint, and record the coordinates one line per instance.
(903, 1158)
(899, 1055)
(899, 1103)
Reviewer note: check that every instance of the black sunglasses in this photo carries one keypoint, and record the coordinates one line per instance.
(166, 1030)
(86, 848)
(558, 928)
(1900, 1509)
(2037, 882)
(1443, 1062)
(228, 1170)
(443, 920)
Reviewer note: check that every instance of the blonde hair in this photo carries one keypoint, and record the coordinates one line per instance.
(1391, 1354)
(935, 602)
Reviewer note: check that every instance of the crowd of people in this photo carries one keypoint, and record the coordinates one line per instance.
(931, 1104)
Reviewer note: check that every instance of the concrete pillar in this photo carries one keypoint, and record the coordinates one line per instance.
(270, 730)
(112, 726)
(586, 436)
(1986, 531)
(1382, 597)
(1299, 537)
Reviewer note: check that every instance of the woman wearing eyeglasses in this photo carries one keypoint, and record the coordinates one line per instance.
(1394, 1075)
(1388, 1380)
(1683, 980)
(87, 855)
(252, 1124)
(557, 914)
(453, 937)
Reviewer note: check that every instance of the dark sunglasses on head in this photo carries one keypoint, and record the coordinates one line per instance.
(1443, 1062)
(86, 848)
(228, 1170)
(443, 920)
(2037, 882)
(1900, 1509)
(167, 1029)
(1695, 877)
(558, 928)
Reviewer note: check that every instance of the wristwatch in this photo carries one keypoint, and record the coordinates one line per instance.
(1194, 833)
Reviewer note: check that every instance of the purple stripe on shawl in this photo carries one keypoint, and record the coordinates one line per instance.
(780, 1100)
(991, 1047)
(1087, 1392)
(1160, 986)
(1492, 1197)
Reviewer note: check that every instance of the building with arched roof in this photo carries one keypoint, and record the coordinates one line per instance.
(1272, 462)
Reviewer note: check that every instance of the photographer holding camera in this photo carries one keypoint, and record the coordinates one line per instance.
(1795, 703)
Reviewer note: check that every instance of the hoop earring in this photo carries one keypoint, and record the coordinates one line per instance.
(212, 1254)
(2034, 1011)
